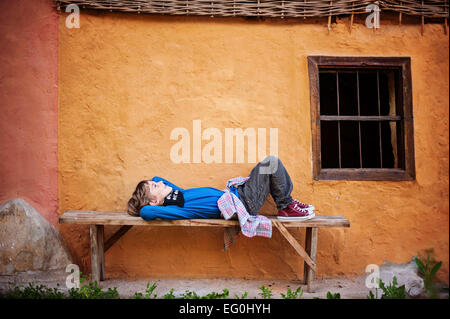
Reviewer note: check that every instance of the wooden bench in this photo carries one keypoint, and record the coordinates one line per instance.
(97, 220)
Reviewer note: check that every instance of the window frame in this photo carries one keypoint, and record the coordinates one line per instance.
(404, 100)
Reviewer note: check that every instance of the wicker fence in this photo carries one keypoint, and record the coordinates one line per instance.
(264, 8)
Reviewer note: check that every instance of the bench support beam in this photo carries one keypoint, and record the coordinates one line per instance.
(97, 252)
(116, 236)
(294, 243)
(311, 249)
(99, 247)
(309, 255)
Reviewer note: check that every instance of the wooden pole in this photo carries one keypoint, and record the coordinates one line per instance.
(423, 21)
(101, 250)
(351, 20)
(311, 249)
(445, 19)
(329, 18)
(97, 252)
(304, 13)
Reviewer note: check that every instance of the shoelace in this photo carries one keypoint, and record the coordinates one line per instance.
(299, 208)
(302, 205)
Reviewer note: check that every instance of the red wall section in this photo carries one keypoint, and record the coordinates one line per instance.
(28, 104)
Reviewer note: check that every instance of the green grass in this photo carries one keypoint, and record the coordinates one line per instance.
(91, 290)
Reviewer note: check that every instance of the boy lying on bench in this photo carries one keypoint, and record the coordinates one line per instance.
(160, 199)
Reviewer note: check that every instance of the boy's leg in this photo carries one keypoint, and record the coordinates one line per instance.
(268, 176)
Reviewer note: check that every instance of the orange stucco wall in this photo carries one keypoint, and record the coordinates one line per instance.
(126, 81)
(28, 104)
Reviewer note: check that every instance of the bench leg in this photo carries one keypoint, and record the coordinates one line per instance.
(311, 249)
(97, 252)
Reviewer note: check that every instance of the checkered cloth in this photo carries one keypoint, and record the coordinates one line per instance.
(229, 204)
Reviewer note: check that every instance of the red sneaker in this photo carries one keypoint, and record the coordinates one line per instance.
(303, 205)
(294, 212)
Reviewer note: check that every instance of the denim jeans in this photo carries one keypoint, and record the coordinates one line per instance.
(268, 176)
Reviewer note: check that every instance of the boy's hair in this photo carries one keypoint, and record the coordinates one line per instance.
(138, 199)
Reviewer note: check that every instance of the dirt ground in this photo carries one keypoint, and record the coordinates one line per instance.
(347, 287)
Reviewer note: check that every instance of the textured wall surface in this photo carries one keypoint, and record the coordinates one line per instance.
(28, 104)
(126, 81)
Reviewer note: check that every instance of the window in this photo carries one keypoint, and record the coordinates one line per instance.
(362, 123)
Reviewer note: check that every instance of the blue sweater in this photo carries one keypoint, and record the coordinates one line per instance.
(199, 202)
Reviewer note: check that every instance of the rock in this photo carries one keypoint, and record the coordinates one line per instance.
(28, 242)
(407, 274)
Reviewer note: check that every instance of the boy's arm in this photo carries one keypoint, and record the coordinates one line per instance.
(162, 212)
(157, 179)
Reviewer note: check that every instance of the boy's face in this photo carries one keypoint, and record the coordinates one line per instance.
(157, 192)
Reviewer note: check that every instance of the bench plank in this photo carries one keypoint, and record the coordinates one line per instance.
(123, 218)
(97, 220)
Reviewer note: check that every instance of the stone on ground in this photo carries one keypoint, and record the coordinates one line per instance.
(29, 243)
(406, 274)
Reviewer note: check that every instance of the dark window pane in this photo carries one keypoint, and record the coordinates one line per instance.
(389, 144)
(370, 144)
(368, 94)
(395, 86)
(348, 99)
(328, 93)
(329, 144)
(399, 147)
(349, 144)
(384, 95)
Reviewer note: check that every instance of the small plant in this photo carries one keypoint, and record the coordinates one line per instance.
(93, 291)
(215, 295)
(244, 296)
(389, 292)
(148, 292)
(333, 296)
(428, 273)
(190, 295)
(337, 296)
(137, 295)
(372, 296)
(169, 295)
(266, 292)
(89, 291)
(293, 294)
(392, 291)
(34, 292)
